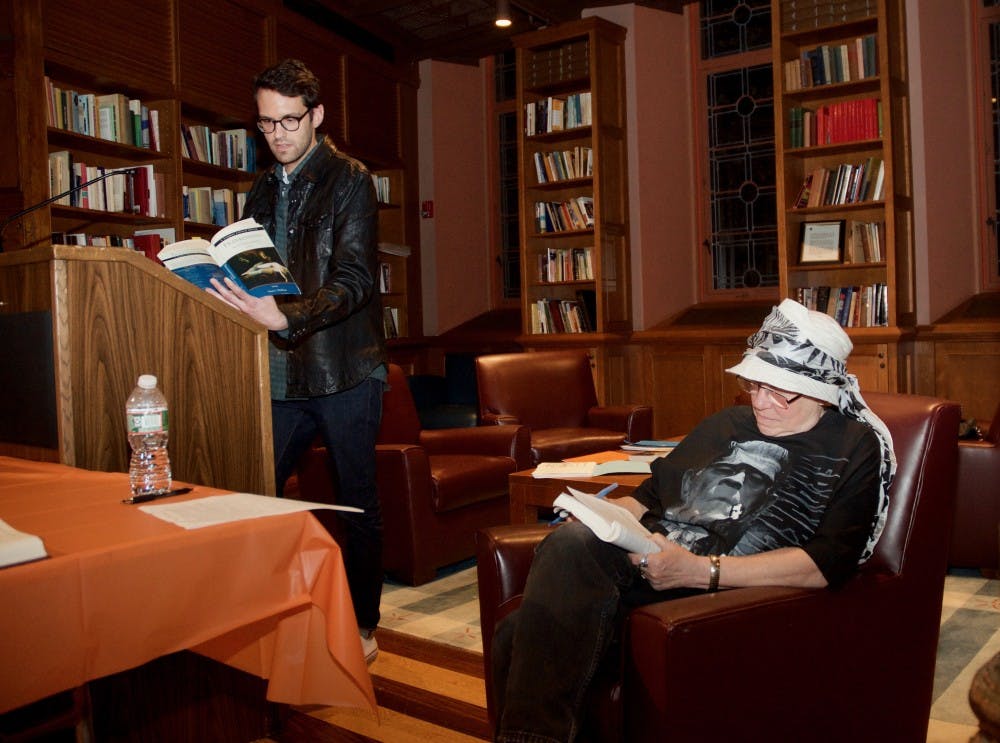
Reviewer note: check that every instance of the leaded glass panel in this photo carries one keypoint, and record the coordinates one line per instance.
(509, 255)
(742, 193)
(734, 26)
(994, 218)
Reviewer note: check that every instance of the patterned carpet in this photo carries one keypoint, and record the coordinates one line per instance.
(447, 611)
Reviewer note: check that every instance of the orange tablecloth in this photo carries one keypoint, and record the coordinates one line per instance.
(268, 596)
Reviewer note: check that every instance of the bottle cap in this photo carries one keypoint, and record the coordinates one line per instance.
(147, 381)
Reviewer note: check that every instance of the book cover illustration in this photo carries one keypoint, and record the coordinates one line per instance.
(243, 252)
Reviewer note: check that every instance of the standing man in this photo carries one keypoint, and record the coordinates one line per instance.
(327, 349)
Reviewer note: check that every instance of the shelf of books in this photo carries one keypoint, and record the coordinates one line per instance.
(218, 164)
(574, 236)
(160, 117)
(844, 192)
(110, 153)
(393, 253)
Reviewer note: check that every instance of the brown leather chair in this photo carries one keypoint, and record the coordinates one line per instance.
(552, 392)
(975, 536)
(763, 664)
(436, 487)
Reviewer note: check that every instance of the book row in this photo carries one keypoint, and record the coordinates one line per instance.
(554, 114)
(834, 123)
(86, 238)
(146, 242)
(798, 15)
(384, 278)
(561, 165)
(856, 59)
(390, 321)
(228, 148)
(111, 116)
(564, 216)
(382, 188)
(851, 306)
(140, 190)
(847, 183)
(207, 205)
(566, 264)
(865, 242)
(562, 316)
(563, 62)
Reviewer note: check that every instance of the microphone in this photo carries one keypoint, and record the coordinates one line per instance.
(79, 186)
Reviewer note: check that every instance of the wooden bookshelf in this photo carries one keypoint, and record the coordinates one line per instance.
(575, 266)
(573, 181)
(842, 152)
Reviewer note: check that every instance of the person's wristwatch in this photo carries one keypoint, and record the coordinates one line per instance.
(713, 573)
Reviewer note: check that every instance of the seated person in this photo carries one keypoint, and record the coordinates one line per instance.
(791, 491)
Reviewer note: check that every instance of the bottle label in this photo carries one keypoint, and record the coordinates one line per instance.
(150, 422)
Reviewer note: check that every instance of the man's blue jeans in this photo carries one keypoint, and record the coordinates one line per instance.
(348, 423)
(547, 652)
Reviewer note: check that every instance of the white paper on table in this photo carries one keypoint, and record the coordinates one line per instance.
(221, 509)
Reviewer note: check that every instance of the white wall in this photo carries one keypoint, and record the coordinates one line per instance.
(662, 199)
(942, 114)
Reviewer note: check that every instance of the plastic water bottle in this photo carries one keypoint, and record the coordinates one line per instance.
(146, 421)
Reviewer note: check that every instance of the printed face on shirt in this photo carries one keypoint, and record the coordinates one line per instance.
(288, 148)
(732, 487)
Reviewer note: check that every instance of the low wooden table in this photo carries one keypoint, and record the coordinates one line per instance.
(528, 494)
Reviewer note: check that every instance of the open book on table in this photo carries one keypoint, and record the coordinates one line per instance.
(243, 252)
(578, 468)
(17, 546)
(608, 521)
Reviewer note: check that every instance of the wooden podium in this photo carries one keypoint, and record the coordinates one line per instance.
(80, 324)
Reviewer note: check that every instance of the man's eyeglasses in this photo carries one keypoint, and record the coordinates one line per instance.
(288, 123)
(780, 399)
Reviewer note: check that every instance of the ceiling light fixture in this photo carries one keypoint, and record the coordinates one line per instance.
(503, 14)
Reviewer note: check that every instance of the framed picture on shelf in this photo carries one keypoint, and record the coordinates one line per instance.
(822, 242)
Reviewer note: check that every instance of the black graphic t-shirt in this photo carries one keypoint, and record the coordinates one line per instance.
(728, 489)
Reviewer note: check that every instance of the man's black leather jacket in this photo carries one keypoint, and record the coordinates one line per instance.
(335, 334)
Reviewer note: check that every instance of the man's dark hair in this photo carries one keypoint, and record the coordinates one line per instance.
(291, 78)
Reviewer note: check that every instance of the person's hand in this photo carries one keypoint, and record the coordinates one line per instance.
(262, 309)
(671, 567)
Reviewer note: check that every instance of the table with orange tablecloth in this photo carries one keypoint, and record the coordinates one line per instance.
(121, 587)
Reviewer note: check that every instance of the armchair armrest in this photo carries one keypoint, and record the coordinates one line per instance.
(495, 441)
(785, 635)
(635, 420)
(503, 559)
(499, 419)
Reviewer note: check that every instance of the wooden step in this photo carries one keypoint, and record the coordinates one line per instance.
(426, 691)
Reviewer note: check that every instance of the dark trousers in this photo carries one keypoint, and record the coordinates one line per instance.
(348, 423)
(546, 653)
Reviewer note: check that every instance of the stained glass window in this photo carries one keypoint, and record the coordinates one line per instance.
(744, 237)
(734, 26)
(992, 254)
(506, 123)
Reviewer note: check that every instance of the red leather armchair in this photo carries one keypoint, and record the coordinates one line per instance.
(768, 664)
(975, 536)
(552, 393)
(436, 487)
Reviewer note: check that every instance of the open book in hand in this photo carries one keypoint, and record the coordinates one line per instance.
(243, 252)
(608, 521)
(17, 546)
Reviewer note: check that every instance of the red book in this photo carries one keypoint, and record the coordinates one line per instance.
(149, 245)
